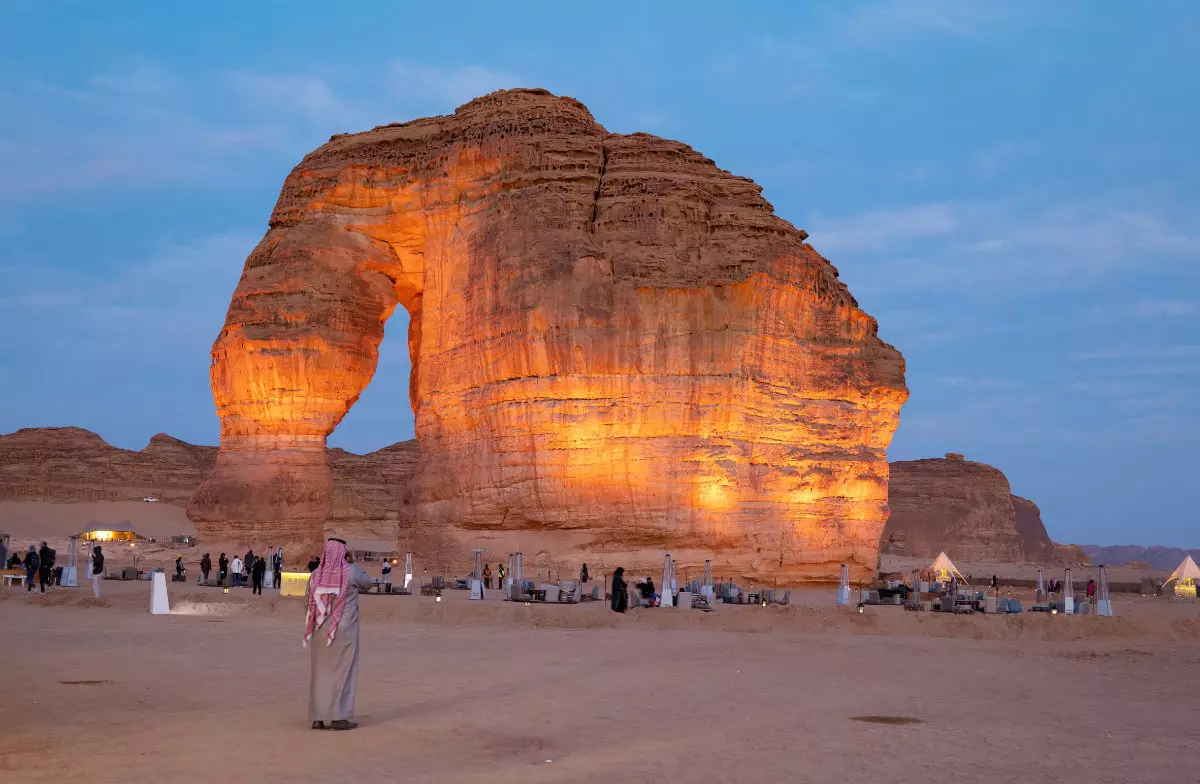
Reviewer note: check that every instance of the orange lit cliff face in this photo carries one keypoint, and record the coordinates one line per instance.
(617, 349)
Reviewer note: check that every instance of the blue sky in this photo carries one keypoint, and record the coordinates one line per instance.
(1011, 188)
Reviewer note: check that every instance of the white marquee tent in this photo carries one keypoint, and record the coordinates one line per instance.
(943, 568)
(1186, 577)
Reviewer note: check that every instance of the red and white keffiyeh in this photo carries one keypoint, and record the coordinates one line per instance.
(327, 591)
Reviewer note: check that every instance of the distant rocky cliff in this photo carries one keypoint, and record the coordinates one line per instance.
(966, 509)
(70, 464)
(1156, 557)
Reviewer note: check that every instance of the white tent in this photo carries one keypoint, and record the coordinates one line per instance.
(943, 568)
(1186, 577)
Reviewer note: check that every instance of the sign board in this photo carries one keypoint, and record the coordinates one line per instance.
(293, 583)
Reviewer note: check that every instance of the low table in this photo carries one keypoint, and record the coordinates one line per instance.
(9, 578)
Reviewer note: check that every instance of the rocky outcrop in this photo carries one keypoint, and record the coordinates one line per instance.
(64, 464)
(617, 348)
(966, 509)
(69, 464)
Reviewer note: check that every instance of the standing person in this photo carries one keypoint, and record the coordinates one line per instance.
(487, 576)
(277, 568)
(237, 571)
(257, 573)
(500, 576)
(333, 592)
(1091, 590)
(386, 571)
(3, 552)
(205, 566)
(32, 563)
(995, 582)
(45, 566)
(97, 574)
(620, 594)
(583, 578)
(222, 568)
(179, 568)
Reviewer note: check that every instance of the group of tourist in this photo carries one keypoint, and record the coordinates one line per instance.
(237, 571)
(39, 564)
(619, 599)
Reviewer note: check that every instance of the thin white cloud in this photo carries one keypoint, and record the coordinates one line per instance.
(1164, 308)
(447, 86)
(900, 20)
(988, 246)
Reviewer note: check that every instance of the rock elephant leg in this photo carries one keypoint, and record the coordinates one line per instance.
(300, 343)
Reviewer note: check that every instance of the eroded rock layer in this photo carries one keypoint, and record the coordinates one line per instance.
(966, 509)
(72, 465)
(617, 349)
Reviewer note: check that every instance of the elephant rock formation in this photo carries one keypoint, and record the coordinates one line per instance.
(617, 348)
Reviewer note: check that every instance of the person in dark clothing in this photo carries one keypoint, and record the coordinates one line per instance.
(205, 566)
(179, 568)
(222, 568)
(97, 570)
(583, 577)
(45, 566)
(277, 569)
(647, 591)
(995, 582)
(313, 563)
(257, 572)
(3, 551)
(620, 594)
(32, 562)
(15, 561)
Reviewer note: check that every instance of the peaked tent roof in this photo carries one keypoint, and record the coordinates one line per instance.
(943, 564)
(1187, 569)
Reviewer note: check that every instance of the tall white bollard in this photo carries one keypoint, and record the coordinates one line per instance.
(1103, 601)
(1068, 595)
(158, 593)
(843, 592)
(668, 579)
(408, 571)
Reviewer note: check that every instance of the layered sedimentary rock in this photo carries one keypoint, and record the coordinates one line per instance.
(70, 464)
(617, 348)
(966, 509)
(65, 464)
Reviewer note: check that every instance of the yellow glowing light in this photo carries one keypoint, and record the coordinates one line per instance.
(293, 583)
(108, 536)
(714, 496)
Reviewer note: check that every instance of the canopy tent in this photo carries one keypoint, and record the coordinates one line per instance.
(98, 532)
(943, 569)
(1186, 577)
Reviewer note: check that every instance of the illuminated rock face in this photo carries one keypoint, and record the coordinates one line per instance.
(617, 349)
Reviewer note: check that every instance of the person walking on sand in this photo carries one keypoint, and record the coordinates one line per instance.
(45, 566)
(205, 567)
(257, 573)
(620, 594)
(97, 561)
(331, 632)
(32, 563)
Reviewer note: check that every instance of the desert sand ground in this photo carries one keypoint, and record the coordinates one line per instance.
(495, 691)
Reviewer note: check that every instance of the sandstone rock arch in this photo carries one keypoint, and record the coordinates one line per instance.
(616, 347)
